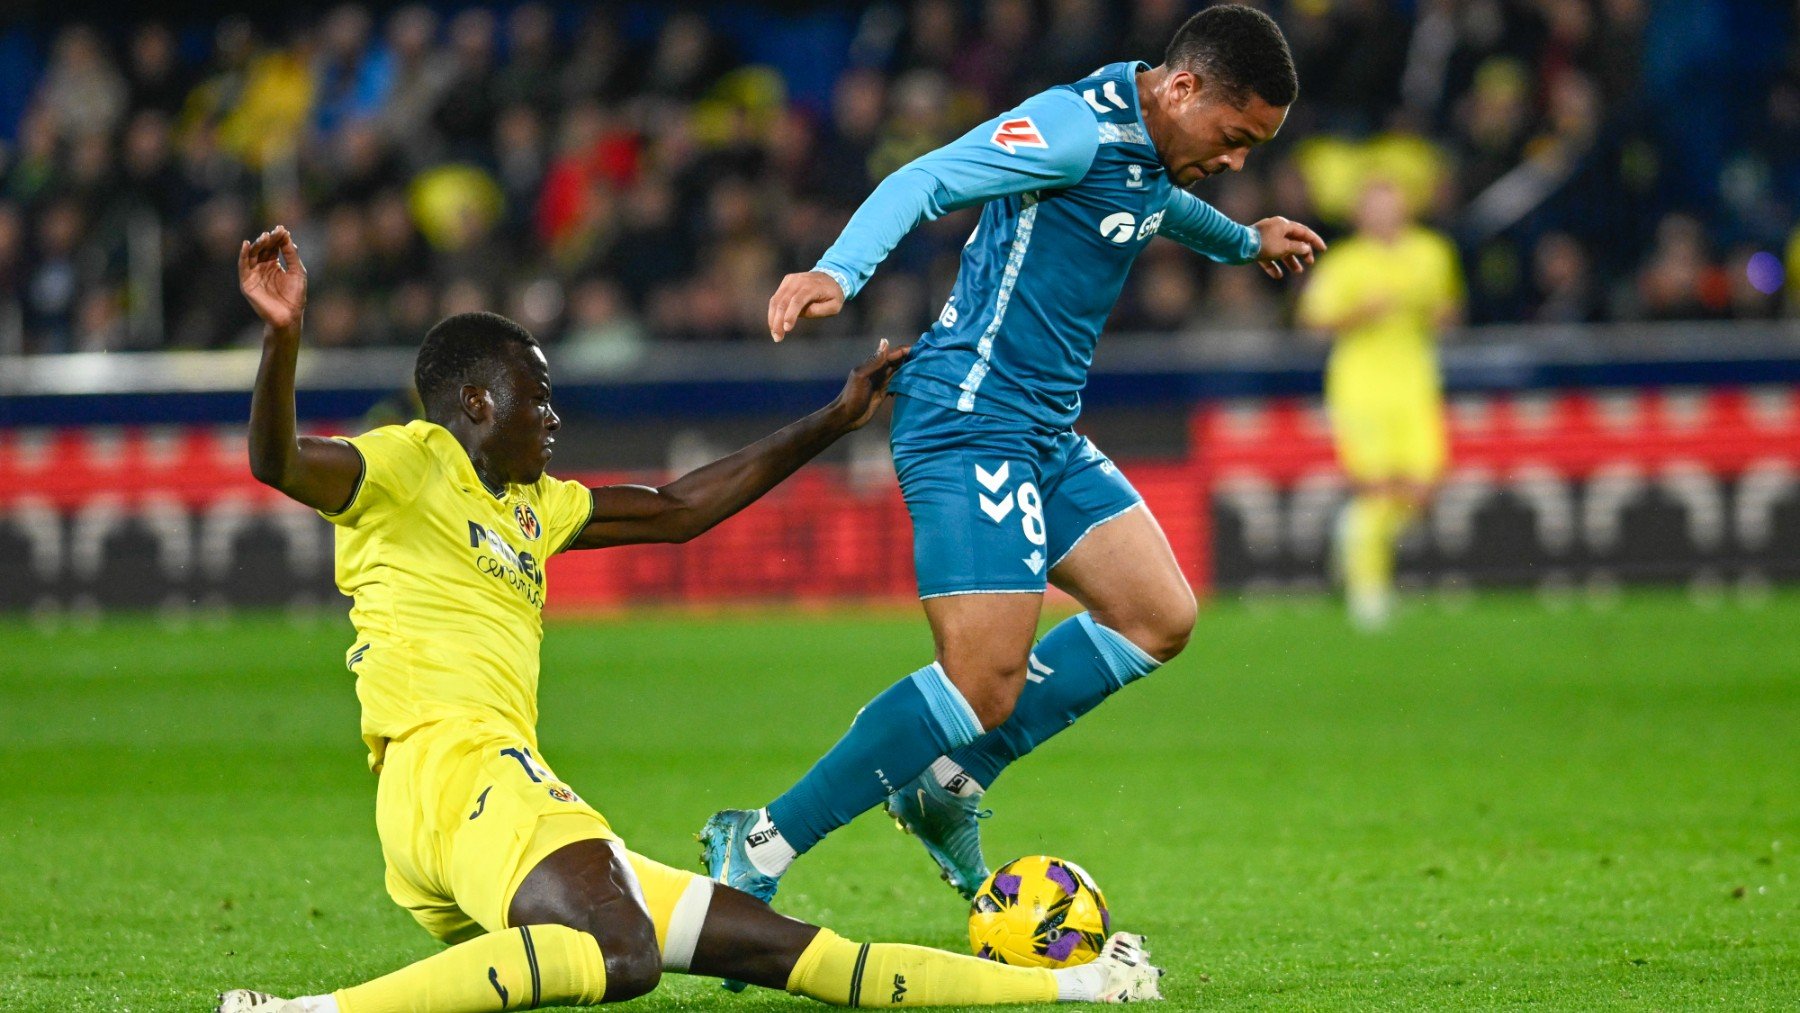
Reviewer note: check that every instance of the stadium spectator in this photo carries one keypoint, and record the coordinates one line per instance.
(421, 74)
(1680, 282)
(12, 281)
(83, 93)
(158, 81)
(993, 64)
(604, 334)
(353, 77)
(1564, 286)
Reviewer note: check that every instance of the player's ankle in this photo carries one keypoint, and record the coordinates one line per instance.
(769, 851)
(1081, 983)
(951, 777)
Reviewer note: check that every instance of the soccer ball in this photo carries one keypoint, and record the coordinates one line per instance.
(1039, 911)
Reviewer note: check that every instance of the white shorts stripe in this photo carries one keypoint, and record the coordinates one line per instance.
(997, 590)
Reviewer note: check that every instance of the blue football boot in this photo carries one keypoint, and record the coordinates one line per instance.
(724, 848)
(945, 821)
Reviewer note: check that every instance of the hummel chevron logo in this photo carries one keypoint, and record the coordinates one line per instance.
(1111, 91)
(1011, 135)
(993, 480)
(1038, 669)
(1035, 561)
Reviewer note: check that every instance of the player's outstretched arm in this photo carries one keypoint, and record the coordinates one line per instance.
(695, 502)
(319, 473)
(1273, 243)
(1046, 143)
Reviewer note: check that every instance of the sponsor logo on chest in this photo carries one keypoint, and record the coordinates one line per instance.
(1122, 227)
(495, 557)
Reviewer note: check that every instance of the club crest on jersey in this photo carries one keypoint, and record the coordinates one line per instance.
(528, 522)
(1011, 135)
(562, 794)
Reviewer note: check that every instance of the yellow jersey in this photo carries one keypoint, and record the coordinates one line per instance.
(1393, 354)
(448, 581)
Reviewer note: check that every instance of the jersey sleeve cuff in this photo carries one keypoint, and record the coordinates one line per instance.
(341, 514)
(1251, 245)
(842, 279)
(569, 542)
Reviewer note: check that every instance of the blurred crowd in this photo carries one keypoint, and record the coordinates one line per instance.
(615, 177)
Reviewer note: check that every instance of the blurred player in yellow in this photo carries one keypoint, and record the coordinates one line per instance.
(1383, 296)
(443, 528)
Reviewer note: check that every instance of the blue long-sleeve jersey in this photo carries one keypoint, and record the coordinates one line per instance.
(1073, 190)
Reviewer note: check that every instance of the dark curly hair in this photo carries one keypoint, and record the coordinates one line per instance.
(465, 348)
(1239, 49)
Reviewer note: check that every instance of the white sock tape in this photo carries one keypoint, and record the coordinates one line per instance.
(684, 924)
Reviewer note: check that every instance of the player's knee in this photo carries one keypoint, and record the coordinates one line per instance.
(993, 709)
(1171, 626)
(988, 679)
(633, 961)
(1160, 629)
(992, 695)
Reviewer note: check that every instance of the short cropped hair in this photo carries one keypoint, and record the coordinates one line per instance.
(465, 348)
(1239, 49)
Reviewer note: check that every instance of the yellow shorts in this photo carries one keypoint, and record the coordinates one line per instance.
(465, 811)
(1384, 439)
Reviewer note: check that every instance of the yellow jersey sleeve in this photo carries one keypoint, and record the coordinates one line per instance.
(568, 506)
(1326, 298)
(395, 467)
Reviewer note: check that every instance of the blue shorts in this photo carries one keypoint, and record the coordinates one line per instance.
(996, 502)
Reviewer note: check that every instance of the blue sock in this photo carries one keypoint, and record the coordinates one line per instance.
(1076, 665)
(892, 741)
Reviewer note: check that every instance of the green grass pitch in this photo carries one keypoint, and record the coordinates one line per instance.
(1498, 805)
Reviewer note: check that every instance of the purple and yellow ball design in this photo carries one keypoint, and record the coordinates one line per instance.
(1039, 911)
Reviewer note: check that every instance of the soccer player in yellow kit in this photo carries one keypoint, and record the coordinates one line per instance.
(1382, 296)
(443, 528)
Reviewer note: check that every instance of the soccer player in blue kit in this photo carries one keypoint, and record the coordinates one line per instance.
(1004, 495)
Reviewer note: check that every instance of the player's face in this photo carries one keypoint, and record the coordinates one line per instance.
(521, 434)
(1381, 212)
(1212, 135)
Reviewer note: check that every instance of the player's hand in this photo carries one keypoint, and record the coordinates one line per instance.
(1286, 244)
(272, 277)
(867, 383)
(812, 294)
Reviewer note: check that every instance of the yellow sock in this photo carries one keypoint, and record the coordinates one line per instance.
(522, 968)
(837, 971)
